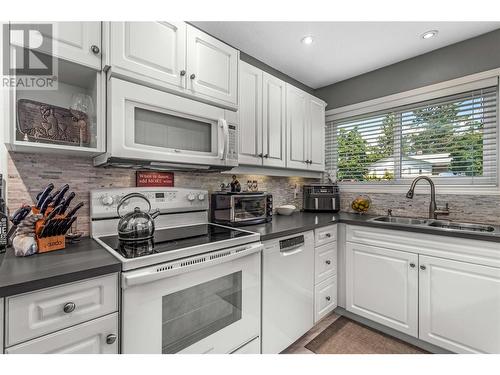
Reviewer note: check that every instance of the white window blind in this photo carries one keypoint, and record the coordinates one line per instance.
(453, 139)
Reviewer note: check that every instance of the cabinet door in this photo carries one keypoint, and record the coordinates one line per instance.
(154, 52)
(99, 336)
(296, 119)
(79, 42)
(459, 305)
(250, 112)
(212, 68)
(382, 285)
(316, 132)
(274, 121)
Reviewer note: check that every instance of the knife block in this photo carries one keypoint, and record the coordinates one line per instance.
(51, 243)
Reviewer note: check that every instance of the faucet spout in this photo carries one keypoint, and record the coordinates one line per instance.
(432, 204)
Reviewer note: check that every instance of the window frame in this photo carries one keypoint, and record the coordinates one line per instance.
(452, 185)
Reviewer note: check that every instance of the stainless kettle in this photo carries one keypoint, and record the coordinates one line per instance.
(136, 225)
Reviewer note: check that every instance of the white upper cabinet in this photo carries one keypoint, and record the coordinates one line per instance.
(316, 134)
(305, 130)
(250, 113)
(382, 285)
(150, 51)
(212, 67)
(459, 305)
(78, 42)
(273, 121)
(297, 103)
(175, 57)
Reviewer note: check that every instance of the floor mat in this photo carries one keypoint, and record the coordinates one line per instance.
(345, 336)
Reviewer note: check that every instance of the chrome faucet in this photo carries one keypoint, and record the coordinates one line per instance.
(433, 210)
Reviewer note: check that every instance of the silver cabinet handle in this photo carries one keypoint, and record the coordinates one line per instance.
(192, 76)
(328, 298)
(412, 265)
(266, 156)
(423, 268)
(69, 307)
(95, 50)
(110, 339)
(316, 203)
(183, 73)
(328, 262)
(260, 155)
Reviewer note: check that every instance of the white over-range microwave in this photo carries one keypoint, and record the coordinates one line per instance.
(149, 128)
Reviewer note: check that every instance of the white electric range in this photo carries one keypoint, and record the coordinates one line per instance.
(192, 288)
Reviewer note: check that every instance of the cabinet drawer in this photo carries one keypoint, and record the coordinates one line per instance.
(38, 313)
(99, 336)
(325, 262)
(325, 235)
(325, 298)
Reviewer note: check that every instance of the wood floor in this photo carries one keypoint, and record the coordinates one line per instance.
(298, 347)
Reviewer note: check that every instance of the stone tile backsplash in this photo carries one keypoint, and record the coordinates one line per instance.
(468, 208)
(29, 173)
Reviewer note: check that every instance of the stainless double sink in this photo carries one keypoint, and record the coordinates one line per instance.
(441, 224)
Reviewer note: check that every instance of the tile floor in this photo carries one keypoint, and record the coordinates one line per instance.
(298, 347)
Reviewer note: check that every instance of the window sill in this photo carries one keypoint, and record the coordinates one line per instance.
(421, 188)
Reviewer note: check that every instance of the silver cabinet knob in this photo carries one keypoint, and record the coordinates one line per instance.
(412, 265)
(423, 268)
(328, 235)
(110, 339)
(69, 307)
(183, 73)
(328, 262)
(328, 298)
(95, 50)
(192, 76)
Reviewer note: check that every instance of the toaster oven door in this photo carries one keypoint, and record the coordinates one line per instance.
(248, 208)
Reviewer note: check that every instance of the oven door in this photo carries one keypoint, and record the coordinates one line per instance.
(208, 309)
(148, 124)
(248, 208)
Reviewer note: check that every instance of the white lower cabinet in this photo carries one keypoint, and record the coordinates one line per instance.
(99, 336)
(325, 300)
(459, 305)
(325, 271)
(382, 285)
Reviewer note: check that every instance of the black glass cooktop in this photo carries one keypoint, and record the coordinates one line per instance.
(173, 239)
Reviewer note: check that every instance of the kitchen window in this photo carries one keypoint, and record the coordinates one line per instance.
(453, 139)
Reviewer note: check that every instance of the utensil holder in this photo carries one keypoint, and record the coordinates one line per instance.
(46, 244)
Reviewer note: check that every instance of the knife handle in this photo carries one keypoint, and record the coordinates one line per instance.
(74, 209)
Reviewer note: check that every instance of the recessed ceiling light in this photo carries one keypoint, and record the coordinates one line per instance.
(307, 39)
(429, 34)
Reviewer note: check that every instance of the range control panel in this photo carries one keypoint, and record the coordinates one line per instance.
(104, 202)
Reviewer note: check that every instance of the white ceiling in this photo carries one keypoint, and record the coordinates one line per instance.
(340, 49)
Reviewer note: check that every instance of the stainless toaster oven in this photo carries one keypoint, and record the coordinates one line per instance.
(244, 208)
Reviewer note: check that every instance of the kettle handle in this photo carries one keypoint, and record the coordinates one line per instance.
(132, 195)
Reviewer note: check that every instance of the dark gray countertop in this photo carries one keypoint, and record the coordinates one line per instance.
(302, 221)
(78, 261)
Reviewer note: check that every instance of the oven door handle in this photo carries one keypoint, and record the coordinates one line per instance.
(169, 269)
(223, 138)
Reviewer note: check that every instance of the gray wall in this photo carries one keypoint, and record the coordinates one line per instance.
(467, 57)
